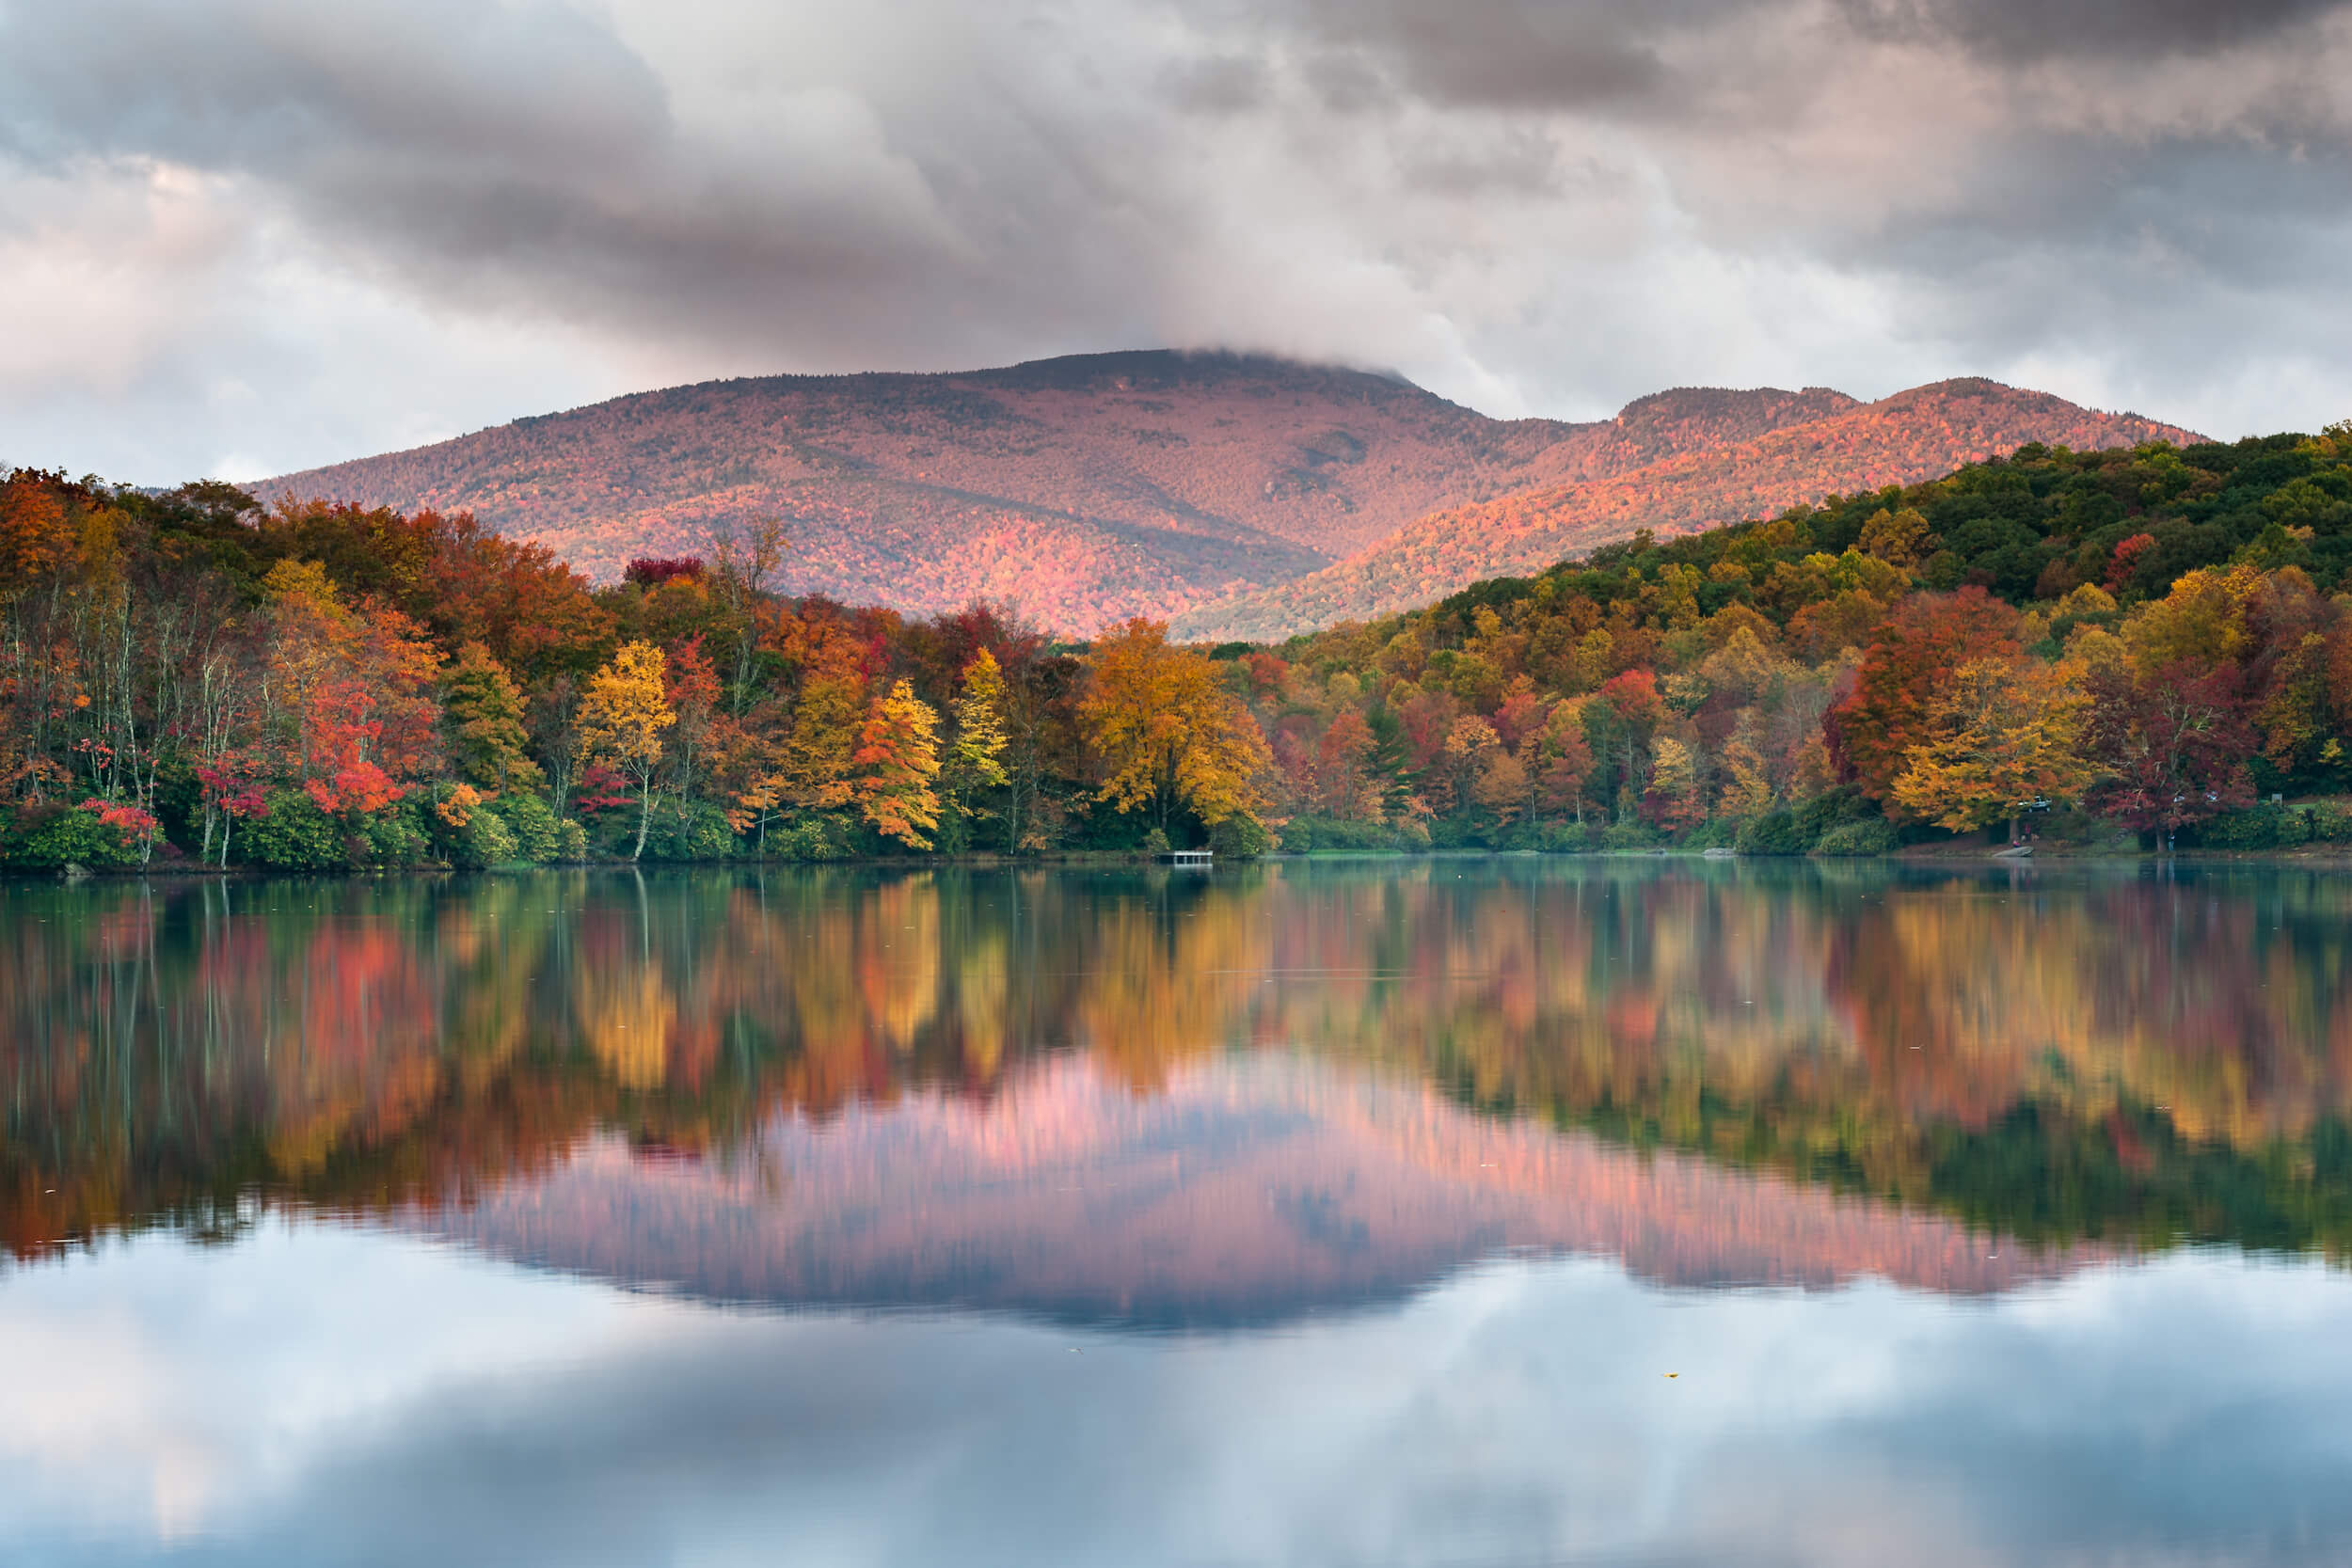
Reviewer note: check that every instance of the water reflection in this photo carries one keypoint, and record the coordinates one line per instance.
(1321, 1214)
(1169, 1099)
(320, 1395)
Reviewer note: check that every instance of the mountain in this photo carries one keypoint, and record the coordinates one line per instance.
(1093, 488)
(1306, 1188)
(1905, 440)
(1084, 489)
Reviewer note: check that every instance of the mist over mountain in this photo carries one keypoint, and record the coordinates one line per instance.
(1242, 494)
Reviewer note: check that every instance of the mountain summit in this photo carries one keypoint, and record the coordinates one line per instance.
(1097, 486)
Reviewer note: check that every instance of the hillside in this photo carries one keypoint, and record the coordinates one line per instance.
(1084, 489)
(1904, 440)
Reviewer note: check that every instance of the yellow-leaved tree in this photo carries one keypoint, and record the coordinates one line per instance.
(621, 720)
(896, 762)
(976, 757)
(1165, 733)
(815, 756)
(2002, 734)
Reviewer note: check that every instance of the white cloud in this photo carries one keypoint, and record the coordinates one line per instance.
(265, 234)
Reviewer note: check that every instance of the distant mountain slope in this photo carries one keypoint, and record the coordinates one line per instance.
(1085, 488)
(1903, 439)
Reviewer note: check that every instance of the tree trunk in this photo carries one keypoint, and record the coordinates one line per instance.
(644, 820)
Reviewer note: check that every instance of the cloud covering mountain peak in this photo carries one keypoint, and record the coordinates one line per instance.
(262, 235)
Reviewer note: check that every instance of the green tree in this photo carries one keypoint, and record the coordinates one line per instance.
(483, 709)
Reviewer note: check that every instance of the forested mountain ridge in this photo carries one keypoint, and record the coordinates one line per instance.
(1082, 489)
(1912, 437)
(2148, 638)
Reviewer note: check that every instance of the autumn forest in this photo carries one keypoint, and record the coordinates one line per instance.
(2139, 646)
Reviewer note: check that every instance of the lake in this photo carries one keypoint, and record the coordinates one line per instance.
(1464, 1212)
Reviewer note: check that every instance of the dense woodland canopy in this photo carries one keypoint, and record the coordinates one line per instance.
(2144, 640)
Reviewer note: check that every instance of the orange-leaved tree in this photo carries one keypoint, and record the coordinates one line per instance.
(1165, 733)
(691, 687)
(356, 686)
(35, 530)
(896, 762)
(622, 718)
(1885, 715)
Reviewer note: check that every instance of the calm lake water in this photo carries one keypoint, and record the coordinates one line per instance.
(1453, 1212)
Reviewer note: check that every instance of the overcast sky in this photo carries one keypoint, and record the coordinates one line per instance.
(243, 236)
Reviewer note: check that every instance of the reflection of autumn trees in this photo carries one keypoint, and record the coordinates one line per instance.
(2130, 1056)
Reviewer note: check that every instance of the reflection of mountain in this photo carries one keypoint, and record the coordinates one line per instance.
(2123, 1061)
(1243, 1192)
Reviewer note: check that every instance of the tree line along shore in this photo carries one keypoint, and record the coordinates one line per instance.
(2133, 648)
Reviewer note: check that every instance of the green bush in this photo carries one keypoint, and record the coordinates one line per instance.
(1525, 837)
(45, 838)
(1567, 838)
(537, 836)
(571, 841)
(2329, 821)
(1454, 832)
(808, 838)
(484, 840)
(697, 831)
(395, 835)
(1775, 832)
(2262, 826)
(1817, 816)
(1723, 832)
(615, 832)
(1871, 837)
(1240, 836)
(1627, 835)
(293, 834)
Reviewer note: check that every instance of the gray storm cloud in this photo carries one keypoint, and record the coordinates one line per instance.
(244, 235)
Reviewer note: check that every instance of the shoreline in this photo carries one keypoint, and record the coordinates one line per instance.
(2333, 857)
